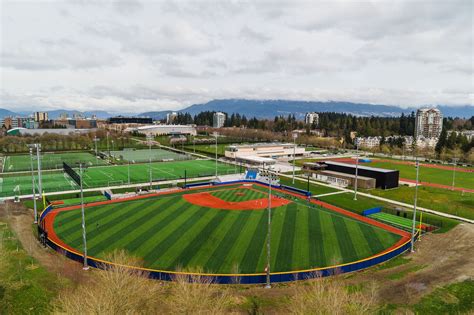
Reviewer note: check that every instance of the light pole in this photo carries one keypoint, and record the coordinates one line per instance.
(357, 172)
(108, 149)
(454, 170)
(95, 144)
(269, 231)
(148, 138)
(414, 208)
(84, 238)
(295, 135)
(33, 186)
(215, 135)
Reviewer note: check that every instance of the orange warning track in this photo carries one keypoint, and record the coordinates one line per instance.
(246, 205)
(205, 199)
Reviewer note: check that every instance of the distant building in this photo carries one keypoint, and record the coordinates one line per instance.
(270, 150)
(23, 131)
(158, 130)
(311, 118)
(130, 120)
(384, 178)
(41, 116)
(170, 117)
(367, 142)
(429, 123)
(63, 116)
(18, 122)
(468, 133)
(218, 120)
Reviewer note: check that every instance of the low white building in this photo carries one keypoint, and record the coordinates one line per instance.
(158, 130)
(422, 142)
(270, 150)
(367, 142)
(468, 133)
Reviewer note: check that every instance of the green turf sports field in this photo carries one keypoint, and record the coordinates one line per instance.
(104, 176)
(430, 175)
(144, 155)
(18, 163)
(167, 232)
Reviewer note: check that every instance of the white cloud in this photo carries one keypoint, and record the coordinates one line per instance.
(134, 56)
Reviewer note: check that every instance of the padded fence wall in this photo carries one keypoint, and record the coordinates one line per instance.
(254, 278)
(371, 211)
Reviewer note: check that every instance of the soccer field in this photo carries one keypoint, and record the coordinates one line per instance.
(18, 163)
(104, 176)
(144, 155)
(173, 231)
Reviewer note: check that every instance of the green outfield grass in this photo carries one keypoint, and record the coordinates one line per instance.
(113, 176)
(18, 163)
(168, 233)
(144, 155)
(315, 189)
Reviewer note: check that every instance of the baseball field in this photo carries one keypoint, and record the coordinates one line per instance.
(223, 230)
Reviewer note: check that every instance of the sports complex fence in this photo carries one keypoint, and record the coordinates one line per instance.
(256, 278)
(102, 177)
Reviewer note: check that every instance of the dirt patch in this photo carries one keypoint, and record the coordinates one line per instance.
(445, 258)
(20, 220)
(206, 199)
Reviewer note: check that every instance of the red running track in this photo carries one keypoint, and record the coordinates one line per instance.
(437, 166)
(434, 185)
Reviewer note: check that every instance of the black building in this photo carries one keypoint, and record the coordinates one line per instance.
(384, 179)
(130, 120)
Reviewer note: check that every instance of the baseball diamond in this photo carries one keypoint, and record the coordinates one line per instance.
(175, 231)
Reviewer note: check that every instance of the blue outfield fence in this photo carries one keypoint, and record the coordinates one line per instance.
(107, 195)
(45, 212)
(371, 211)
(198, 184)
(297, 190)
(246, 278)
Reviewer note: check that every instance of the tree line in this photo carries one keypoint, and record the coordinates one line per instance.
(330, 123)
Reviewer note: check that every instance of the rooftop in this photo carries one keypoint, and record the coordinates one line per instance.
(361, 167)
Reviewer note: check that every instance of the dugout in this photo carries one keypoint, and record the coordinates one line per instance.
(384, 178)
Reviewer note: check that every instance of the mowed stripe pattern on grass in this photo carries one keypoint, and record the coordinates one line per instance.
(169, 233)
(239, 194)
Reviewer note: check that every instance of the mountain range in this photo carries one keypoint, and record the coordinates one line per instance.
(272, 108)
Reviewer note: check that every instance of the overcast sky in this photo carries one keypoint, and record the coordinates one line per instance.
(131, 56)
